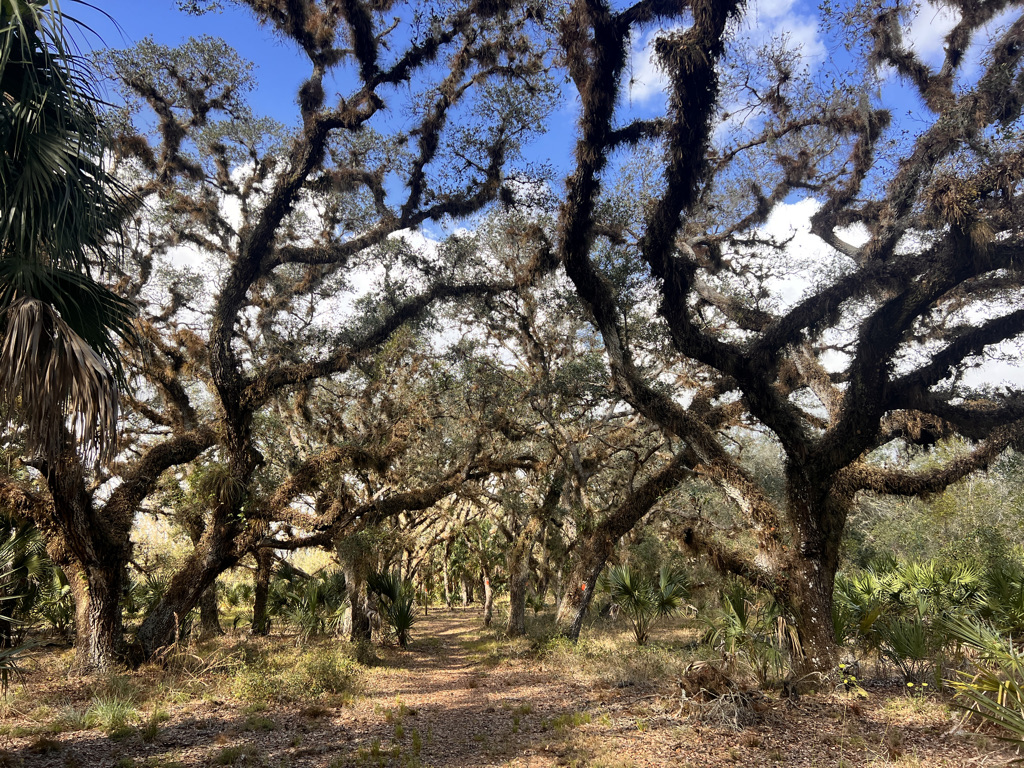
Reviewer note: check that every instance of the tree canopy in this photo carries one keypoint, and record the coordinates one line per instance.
(355, 319)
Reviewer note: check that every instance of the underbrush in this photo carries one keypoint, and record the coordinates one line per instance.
(256, 673)
(307, 675)
(608, 657)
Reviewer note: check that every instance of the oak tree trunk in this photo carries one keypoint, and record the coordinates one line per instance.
(449, 593)
(820, 517)
(518, 565)
(488, 596)
(161, 628)
(579, 589)
(99, 633)
(261, 591)
(809, 601)
(209, 613)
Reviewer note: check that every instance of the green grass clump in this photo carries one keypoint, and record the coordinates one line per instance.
(114, 716)
(258, 723)
(242, 753)
(569, 720)
(312, 675)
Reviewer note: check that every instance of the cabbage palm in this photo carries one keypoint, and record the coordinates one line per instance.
(58, 210)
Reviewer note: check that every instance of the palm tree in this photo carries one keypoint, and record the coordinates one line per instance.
(59, 212)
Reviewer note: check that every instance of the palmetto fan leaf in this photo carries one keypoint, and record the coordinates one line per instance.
(54, 373)
(60, 212)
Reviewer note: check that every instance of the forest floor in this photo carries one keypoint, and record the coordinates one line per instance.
(460, 695)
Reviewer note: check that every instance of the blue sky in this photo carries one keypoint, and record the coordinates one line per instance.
(280, 69)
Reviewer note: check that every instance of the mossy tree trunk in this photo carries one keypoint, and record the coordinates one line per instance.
(261, 592)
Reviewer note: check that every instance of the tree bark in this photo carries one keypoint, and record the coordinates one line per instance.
(99, 633)
(352, 557)
(809, 601)
(820, 516)
(518, 566)
(92, 545)
(488, 596)
(261, 591)
(516, 626)
(449, 593)
(801, 578)
(209, 613)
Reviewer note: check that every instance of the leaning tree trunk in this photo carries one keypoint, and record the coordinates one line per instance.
(488, 596)
(209, 620)
(261, 592)
(211, 557)
(579, 589)
(595, 547)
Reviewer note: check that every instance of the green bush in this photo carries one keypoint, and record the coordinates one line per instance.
(325, 672)
(753, 628)
(993, 688)
(398, 605)
(317, 673)
(642, 600)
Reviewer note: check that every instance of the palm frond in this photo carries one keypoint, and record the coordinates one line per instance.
(57, 382)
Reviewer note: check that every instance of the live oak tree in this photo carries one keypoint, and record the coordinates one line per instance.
(291, 215)
(874, 351)
(86, 514)
(285, 218)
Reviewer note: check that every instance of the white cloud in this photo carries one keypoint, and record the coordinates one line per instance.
(772, 9)
(646, 78)
(773, 19)
(805, 252)
(927, 32)
(764, 20)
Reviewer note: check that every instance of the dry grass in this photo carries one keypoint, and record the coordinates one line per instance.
(460, 696)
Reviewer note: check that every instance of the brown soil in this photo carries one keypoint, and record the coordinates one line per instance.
(444, 703)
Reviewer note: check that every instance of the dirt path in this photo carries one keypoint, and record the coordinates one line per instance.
(460, 698)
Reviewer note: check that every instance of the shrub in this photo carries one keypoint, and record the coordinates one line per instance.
(994, 688)
(327, 672)
(642, 600)
(755, 629)
(398, 607)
